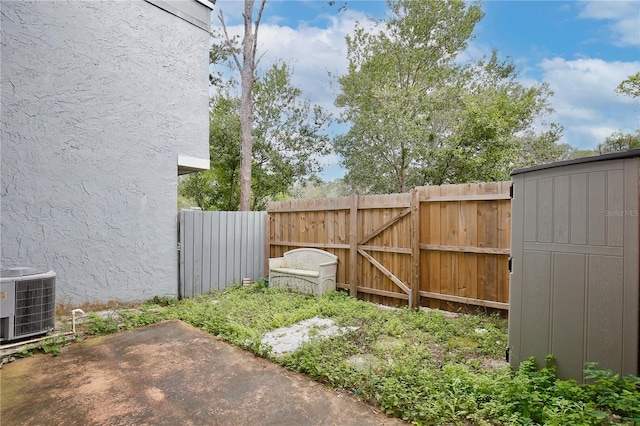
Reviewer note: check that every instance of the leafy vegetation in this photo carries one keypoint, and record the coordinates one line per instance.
(246, 66)
(421, 366)
(51, 344)
(619, 141)
(630, 86)
(288, 139)
(415, 113)
(420, 117)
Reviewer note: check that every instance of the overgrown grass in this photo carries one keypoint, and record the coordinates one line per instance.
(420, 366)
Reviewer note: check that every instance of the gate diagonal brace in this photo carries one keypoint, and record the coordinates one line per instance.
(385, 271)
(379, 230)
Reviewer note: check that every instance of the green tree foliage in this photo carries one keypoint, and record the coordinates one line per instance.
(490, 108)
(630, 86)
(316, 188)
(619, 141)
(289, 131)
(544, 148)
(288, 137)
(219, 187)
(419, 118)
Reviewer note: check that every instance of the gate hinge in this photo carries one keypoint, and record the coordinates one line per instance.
(511, 191)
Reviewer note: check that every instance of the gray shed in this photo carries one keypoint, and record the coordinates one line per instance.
(574, 272)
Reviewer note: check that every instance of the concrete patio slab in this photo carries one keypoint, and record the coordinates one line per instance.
(168, 374)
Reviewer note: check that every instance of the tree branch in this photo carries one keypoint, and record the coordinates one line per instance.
(228, 39)
(255, 33)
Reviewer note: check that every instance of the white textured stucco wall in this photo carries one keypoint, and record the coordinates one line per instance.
(98, 99)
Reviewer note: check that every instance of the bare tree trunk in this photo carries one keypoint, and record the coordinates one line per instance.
(246, 107)
(247, 73)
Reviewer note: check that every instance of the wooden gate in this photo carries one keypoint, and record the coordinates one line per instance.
(438, 246)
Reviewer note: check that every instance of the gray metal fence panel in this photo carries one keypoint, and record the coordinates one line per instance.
(219, 249)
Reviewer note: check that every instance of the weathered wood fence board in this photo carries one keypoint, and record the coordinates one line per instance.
(465, 244)
(438, 246)
(218, 249)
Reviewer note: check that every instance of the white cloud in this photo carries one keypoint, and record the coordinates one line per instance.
(585, 101)
(624, 17)
(232, 10)
(312, 51)
(588, 81)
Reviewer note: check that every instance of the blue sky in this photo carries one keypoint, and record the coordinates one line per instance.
(582, 49)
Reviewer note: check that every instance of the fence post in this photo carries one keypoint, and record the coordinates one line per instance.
(267, 244)
(353, 247)
(181, 254)
(414, 301)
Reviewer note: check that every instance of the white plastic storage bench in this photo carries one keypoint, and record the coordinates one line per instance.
(304, 270)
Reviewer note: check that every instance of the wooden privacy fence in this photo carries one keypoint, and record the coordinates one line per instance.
(438, 246)
(218, 249)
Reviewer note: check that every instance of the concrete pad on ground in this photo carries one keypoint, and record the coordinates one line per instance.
(289, 339)
(168, 374)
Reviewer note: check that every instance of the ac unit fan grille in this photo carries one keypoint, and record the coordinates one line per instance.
(35, 306)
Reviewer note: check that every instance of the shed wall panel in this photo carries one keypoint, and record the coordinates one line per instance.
(515, 277)
(615, 208)
(536, 296)
(578, 210)
(545, 211)
(575, 282)
(568, 312)
(597, 203)
(631, 296)
(561, 200)
(604, 313)
(530, 219)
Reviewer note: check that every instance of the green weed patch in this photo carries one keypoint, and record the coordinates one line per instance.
(421, 366)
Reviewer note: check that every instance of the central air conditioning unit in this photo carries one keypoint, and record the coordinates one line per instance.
(27, 302)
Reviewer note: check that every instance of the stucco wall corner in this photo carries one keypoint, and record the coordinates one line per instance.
(98, 99)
